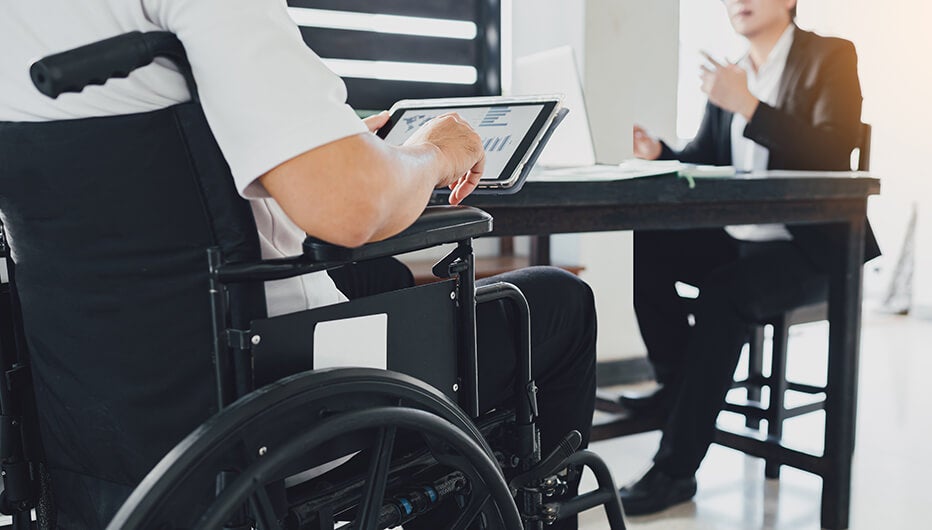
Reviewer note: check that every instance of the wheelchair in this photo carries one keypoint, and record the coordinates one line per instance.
(277, 443)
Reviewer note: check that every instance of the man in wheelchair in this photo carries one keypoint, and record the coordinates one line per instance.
(149, 299)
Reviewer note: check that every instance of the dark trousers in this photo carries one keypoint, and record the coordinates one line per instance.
(563, 333)
(739, 283)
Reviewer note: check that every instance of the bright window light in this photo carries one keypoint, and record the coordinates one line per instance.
(427, 27)
(398, 71)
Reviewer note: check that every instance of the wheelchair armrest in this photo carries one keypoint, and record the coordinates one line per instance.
(436, 226)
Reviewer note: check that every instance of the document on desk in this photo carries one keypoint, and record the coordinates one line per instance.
(604, 172)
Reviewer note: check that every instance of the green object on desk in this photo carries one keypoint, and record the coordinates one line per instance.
(689, 178)
(691, 172)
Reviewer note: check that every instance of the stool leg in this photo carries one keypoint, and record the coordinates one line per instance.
(755, 370)
(776, 409)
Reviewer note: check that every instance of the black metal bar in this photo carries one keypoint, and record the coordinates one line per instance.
(755, 371)
(756, 444)
(525, 389)
(776, 410)
(808, 389)
(842, 387)
(218, 311)
(466, 298)
(469, 513)
(605, 495)
(261, 506)
(527, 445)
(540, 250)
(804, 409)
(749, 409)
(368, 517)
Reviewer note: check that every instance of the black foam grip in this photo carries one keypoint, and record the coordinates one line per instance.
(95, 63)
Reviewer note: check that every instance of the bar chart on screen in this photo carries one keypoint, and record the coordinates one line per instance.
(495, 143)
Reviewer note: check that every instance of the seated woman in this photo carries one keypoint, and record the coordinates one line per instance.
(793, 102)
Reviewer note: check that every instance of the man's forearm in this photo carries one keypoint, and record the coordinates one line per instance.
(357, 189)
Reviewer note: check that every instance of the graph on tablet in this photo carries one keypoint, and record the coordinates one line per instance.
(501, 128)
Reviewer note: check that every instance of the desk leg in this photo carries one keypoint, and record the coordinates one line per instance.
(841, 398)
(540, 250)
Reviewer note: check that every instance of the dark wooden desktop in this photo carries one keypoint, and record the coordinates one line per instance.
(668, 202)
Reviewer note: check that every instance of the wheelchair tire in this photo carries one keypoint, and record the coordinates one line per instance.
(257, 440)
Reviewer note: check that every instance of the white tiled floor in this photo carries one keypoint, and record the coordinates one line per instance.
(892, 467)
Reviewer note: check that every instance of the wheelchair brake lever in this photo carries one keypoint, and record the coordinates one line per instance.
(549, 465)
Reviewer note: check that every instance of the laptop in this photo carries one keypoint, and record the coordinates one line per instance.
(570, 154)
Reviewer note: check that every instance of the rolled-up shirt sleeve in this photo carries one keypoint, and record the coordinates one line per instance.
(267, 97)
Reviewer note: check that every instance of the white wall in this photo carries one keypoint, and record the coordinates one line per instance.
(893, 42)
(627, 50)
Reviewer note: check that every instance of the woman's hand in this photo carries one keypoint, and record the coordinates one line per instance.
(646, 147)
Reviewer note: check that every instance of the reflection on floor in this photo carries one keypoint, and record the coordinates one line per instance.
(892, 467)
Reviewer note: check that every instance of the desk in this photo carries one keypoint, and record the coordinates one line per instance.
(667, 202)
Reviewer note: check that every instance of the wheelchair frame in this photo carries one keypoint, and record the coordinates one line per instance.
(232, 347)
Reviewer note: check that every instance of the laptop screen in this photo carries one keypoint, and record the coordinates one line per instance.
(554, 72)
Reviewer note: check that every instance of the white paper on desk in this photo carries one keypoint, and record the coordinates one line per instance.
(359, 342)
(599, 173)
(704, 171)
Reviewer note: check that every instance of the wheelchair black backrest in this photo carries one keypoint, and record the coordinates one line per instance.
(109, 219)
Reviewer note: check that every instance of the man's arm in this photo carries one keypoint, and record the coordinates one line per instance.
(836, 114)
(360, 189)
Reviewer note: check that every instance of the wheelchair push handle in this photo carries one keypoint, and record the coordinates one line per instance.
(98, 62)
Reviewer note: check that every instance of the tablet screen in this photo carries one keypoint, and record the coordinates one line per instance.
(507, 130)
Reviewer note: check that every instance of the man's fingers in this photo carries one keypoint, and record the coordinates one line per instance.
(468, 182)
(376, 121)
(711, 60)
(464, 187)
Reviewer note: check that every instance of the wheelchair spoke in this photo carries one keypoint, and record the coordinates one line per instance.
(368, 516)
(471, 511)
(263, 511)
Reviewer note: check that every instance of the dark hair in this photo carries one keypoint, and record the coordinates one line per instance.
(793, 12)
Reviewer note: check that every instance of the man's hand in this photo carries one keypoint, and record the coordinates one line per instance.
(376, 121)
(460, 146)
(646, 147)
(727, 87)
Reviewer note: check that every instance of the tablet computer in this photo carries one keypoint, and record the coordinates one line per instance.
(513, 131)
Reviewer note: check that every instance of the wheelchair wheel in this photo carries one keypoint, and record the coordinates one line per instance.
(404, 449)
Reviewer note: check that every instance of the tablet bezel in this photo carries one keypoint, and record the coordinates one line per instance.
(511, 173)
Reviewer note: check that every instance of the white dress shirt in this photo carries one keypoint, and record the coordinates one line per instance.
(764, 83)
(267, 97)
